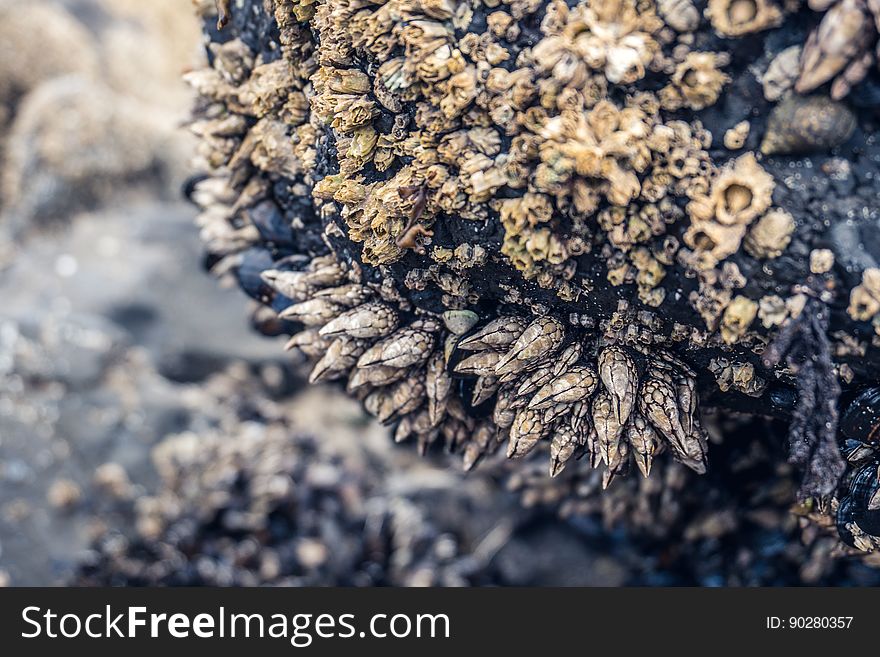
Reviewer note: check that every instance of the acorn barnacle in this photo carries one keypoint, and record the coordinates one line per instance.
(719, 219)
(864, 299)
(733, 18)
(696, 83)
(742, 192)
(770, 235)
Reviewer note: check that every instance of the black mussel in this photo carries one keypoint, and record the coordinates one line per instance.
(859, 507)
(861, 418)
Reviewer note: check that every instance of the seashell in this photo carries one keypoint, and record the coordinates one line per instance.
(800, 125)
(686, 389)
(542, 338)
(503, 413)
(695, 454)
(781, 73)
(309, 342)
(621, 379)
(770, 235)
(567, 358)
(696, 83)
(403, 429)
(292, 284)
(373, 401)
(737, 318)
(401, 399)
(609, 429)
(644, 441)
(345, 295)
(373, 376)
(619, 464)
(680, 15)
(735, 138)
(325, 271)
(861, 419)
(314, 312)
(497, 334)
(525, 432)
(841, 36)
(480, 443)
(407, 347)
(579, 419)
(480, 364)
(472, 454)
(742, 192)
(562, 448)
(484, 388)
(438, 386)
(341, 356)
(576, 384)
(658, 405)
(858, 515)
(738, 17)
(555, 411)
(460, 322)
(855, 451)
(371, 320)
(455, 434)
(534, 380)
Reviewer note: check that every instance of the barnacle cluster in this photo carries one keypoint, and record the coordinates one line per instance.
(528, 224)
(490, 128)
(424, 375)
(251, 500)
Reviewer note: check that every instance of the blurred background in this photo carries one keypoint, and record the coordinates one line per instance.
(99, 264)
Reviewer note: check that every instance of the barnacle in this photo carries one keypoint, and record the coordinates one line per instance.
(696, 82)
(734, 18)
(720, 217)
(864, 300)
(680, 15)
(770, 234)
(515, 224)
(735, 138)
(781, 73)
(839, 48)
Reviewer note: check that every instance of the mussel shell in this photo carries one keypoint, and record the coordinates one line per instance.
(783, 398)
(863, 486)
(861, 419)
(254, 262)
(846, 515)
(271, 223)
(854, 507)
(870, 523)
(854, 451)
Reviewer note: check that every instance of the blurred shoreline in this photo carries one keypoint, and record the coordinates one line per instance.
(107, 319)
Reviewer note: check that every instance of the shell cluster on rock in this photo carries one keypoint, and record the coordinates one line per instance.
(510, 224)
